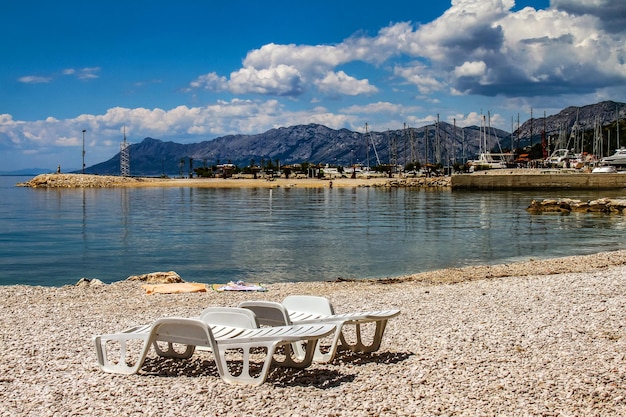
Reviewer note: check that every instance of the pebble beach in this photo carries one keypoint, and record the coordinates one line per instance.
(536, 338)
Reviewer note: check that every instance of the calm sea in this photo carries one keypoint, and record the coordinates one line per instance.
(55, 237)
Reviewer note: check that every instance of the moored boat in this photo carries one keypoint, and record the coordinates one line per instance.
(618, 158)
(607, 169)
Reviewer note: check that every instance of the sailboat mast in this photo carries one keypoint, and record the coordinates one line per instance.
(617, 124)
(463, 141)
(544, 144)
(512, 128)
(367, 147)
(404, 135)
(531, 127)
(482, 134)
(518, 131)
(426, 155)
(453, 142)
(437, 144)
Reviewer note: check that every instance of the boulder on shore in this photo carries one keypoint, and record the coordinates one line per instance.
(89, 282)
(169, 277)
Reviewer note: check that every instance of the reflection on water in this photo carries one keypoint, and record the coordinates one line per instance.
(55, 237)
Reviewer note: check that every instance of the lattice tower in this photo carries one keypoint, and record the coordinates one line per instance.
(124, 158)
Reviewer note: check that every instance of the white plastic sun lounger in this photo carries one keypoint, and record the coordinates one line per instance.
(305, 309)
(192, 332)
(228, 322)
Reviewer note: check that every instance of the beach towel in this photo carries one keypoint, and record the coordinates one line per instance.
(238, 286)
(174, 288)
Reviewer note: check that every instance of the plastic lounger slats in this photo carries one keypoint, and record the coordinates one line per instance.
(195, 332)
(317, 310)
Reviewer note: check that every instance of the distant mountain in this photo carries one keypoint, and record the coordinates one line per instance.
(317, 144)
(311, 143)
(27, 171)
(582, 118)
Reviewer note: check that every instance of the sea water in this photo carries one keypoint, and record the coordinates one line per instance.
(214, 235)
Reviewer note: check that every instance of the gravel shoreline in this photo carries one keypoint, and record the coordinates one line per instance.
(543, 337)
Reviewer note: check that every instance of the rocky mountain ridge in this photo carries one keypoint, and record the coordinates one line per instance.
(317, 144)
(583, 118)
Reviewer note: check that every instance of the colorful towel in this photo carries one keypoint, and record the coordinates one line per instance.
(238, 286)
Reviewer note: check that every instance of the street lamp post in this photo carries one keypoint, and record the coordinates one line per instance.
(84, 151)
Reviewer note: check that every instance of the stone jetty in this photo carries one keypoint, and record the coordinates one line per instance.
(79, 181)
(566, 205)
(420, 182)
(110, 181)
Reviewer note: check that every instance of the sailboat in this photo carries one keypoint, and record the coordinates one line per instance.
(619, 157)
(487, 159)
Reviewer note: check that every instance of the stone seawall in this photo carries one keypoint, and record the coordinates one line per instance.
(567, 205)
(79, 181)
(421, 182)
(506, 181)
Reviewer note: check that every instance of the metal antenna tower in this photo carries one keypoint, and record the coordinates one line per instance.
(124, 158)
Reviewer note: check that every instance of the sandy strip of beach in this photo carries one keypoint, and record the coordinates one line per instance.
(542, 337)
(262, 183)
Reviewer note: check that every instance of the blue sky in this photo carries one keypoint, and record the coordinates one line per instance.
(192, 71)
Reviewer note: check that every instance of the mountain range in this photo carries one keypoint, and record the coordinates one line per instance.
(311, 143)
(317, 144)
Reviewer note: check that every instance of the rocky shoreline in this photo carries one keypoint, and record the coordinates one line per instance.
(536, 338)
(568, 205)
(82, 181)
(110, 181)
(496, 179)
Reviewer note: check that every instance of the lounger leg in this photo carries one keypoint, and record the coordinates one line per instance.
(327, 357)
(121, 367)
(170, 352)
(245, 377)
(359, 346)
(298, 356)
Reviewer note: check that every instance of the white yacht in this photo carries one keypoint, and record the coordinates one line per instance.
(486, 159)
(607, 169)
(559, 157)
(492, 160)
(618, 158)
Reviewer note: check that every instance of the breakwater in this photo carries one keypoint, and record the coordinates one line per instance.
(538, 180)
(567, 205)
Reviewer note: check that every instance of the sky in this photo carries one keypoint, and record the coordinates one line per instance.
(191, 71)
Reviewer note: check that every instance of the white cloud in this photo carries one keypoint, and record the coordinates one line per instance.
(471, 69)
(528, 52)
(34, 79)
(420, 76)
(469, 26)
(611, 13)
(280, 80)
(287, 70)
(210, 81)
(375, 108)
(310, 58)
(68, 141)
(341, 83)
(476, 47)
(88, 73)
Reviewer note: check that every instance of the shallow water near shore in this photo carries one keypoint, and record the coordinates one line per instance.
(57, 236)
